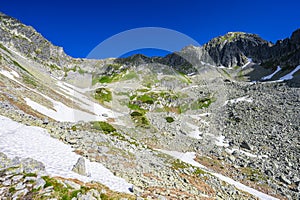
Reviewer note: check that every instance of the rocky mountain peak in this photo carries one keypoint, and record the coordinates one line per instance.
(29, 43)
(295, 38)
(233, 48)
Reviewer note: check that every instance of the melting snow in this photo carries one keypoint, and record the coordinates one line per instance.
(220, 141)
(271, 75)
(11, 75)
(58, 158)
(290, 75)
(83, 101)
(62, 112)
(189, 157)
(230, 151)
(245, 98)
(195, 133)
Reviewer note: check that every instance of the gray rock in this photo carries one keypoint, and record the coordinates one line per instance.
(32, 166)
(20, 186)
(30, 178)
(246, 145)
(72, 184)
(20, 193)
(285, 180)
(105, 115)
(46, 121)
(231, 158)
(40, 183)
(7, 182)
(79, 167)
(4, 160)
(17, 178)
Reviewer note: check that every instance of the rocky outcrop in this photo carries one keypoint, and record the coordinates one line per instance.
(79, 167)
(234, 49)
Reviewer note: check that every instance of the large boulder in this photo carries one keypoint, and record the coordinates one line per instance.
(79, 167)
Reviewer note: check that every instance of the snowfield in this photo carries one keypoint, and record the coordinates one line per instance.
(271, 75)
(189, 157)
(58, 158)
(65, 113)
(290, 75)
(62, 112)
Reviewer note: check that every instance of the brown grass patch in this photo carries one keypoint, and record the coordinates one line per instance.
(228, 170)
(200, 185)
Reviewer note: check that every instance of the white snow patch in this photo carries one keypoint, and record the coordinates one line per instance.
(245, 65)
(243, 187)
(11, 75)
(76, 94)
(15, 74)
(230, 151)
(195, 133)
(198, 117)
(289, 76)
(58, 158)
(189, 157)
(220, 141)
(245, 98)
(62, 112)
(271, 75)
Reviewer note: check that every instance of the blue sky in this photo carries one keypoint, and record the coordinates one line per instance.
(79, 26)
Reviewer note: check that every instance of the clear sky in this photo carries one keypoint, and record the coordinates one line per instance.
(78, 26)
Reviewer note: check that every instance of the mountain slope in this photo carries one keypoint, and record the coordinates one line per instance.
(175, 127)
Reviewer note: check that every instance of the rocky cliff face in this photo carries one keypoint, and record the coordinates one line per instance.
(29, 42)
(234, 48)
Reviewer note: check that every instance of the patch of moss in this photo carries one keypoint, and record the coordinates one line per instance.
(140, 119)
(12, 189)
(30, 80)
(199, 171)
(105, 79)
(54, 67)
(178, 164)
(102, 95)
(104, 196)
(20, 66)
(104, 126)
(253, 174)
(133, 97)
(134, 107)
(30, 174)
(73, 128)
(146, 99)
(129, 75)
(169, 119)
(143, 90)
(60, 191)
(136, 114)
(202, 103)
(81, 71)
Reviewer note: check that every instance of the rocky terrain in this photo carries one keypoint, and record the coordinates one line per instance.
(214, 122)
